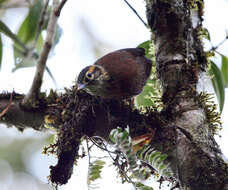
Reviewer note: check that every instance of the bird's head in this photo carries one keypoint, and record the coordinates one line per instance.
(91, 78)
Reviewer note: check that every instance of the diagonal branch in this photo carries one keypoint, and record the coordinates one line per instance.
(41, 22)
(59, 8)
(129, 5)
(6, 30)
(32, 98)
(8, 106)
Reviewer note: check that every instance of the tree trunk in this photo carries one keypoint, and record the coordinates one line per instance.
(196, 158)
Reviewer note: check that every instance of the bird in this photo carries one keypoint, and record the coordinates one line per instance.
(119, 75)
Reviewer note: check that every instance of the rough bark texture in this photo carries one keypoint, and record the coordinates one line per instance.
(196, 158)
(16, 116)
(75, 114)
(182, 129)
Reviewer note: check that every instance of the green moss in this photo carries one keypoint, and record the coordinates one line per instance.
(197, 5)
(212, 115)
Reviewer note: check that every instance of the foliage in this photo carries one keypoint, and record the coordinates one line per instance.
(141, 186)
(28, 41)
(219, 78)
(224, 70)
(27, 34)
(27, 31)
(155, 159)
(6, 30)
(218, 84)
(124, 143)
(95, 169)
(151, 95)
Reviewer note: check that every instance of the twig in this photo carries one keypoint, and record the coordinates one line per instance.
(8, 106)
(6, 30)
(89, 159)
(59, 8)
(32, 97)
(119, 167)
(99, 146)
(88, 150)
(135, 13)
(214, 48)
(41, 22)
(110, 155)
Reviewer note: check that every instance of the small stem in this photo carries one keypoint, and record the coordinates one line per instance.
(136, 13)
(8, 106)
(59, 8)
(32, 97)
(41, 22)
(214, 48)
(89, 159)
(6, 30)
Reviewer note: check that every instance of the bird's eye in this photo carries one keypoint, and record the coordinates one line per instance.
(89, 76)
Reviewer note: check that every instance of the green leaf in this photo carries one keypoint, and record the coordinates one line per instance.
(144, 98)
(30, 60)
(141, 186)
(152, 91)
(26, 34)
(23, 62)
(27, 31)
(0, 51)
(39, 44)
(6, 30)
(146, 46)
(95, 170)
(218, 84)
(224, 70)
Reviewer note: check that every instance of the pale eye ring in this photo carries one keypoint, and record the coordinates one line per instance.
(89, 76)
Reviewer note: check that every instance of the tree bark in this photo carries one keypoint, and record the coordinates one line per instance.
(183, 129)
(196, 158)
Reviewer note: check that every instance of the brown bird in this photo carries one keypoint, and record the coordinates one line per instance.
(121, 74)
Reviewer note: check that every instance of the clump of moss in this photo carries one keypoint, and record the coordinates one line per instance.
(69, 118)
(212, 115)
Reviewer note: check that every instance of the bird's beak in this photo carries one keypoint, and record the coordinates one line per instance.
(81, 86)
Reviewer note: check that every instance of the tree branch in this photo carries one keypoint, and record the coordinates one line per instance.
(59, 8)
(31, 99)
(75, 114)
(18, 117)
